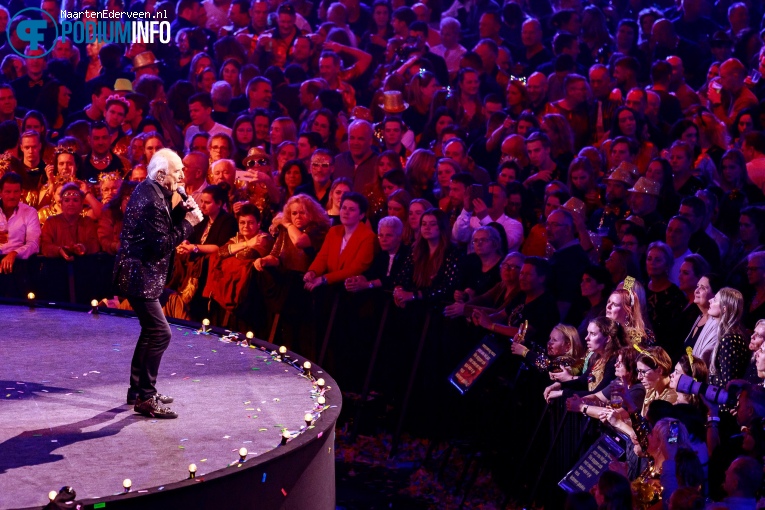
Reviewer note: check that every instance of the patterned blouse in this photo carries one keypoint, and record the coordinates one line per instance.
(444, 282)
(729, 360)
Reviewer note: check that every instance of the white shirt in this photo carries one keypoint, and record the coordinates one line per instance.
(197, 194)
(451, 56)
(216, 16)
(23, 232)
(193, 130)
(467, 223)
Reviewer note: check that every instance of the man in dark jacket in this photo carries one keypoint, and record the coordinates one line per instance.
(151, 232)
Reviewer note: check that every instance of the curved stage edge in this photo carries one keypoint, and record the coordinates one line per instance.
(300, 474)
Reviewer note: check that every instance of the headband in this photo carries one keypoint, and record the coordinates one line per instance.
(689, 352)
(643, 352)
(629, 284)
(72, 193)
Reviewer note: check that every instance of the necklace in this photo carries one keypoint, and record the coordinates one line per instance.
(101, 161)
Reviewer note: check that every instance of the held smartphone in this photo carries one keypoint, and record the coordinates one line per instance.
(674, 432)
(480, 191)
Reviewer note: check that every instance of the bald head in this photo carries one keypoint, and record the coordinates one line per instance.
(536, 86)
(663, 33)
(360, 137)
(732, 74)
(531, 32)
(515, 146)
(196, 164)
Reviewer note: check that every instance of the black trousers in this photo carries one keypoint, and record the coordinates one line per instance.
(152, 343)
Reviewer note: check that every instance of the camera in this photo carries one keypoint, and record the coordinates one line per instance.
(715, 394)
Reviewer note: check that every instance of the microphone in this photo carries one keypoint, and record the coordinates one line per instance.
(182, 192)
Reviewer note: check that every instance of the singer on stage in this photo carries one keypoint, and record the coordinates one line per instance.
(152, 230)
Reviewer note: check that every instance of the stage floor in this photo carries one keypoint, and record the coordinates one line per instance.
(64, 421)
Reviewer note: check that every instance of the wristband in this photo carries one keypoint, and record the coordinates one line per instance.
(711, 419)
(584, 409)
(196, 248)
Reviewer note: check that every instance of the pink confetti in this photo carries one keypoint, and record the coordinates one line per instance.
(284, 492)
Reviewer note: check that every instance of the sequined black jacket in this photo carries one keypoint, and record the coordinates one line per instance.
(150, 234)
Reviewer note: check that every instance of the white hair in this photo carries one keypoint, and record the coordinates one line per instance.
(391, 222)
(161, 161)
(221, 93)
(223, 162)
(450, 22)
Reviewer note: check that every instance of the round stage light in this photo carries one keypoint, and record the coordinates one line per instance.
(321, 400)
(52, 495)
(192, 471)
(308, 419)
(127, 484)
(320, 383)
(242, 454)
(285, 437)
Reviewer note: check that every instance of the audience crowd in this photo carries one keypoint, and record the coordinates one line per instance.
(430, 174)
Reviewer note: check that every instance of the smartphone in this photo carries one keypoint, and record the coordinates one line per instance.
(674, 431)
(480, 191)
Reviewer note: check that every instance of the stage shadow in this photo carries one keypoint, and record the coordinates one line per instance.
(35, 447)
(15, 390)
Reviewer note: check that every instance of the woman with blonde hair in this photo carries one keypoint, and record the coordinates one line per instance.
(624, 307)
(420, 169)
(300, 230)
(604, 339)
(730, 357)
(564, 349)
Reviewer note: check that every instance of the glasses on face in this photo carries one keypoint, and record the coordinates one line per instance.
(643, 372)
(479, 241)
(319, 165)
(257, 162)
